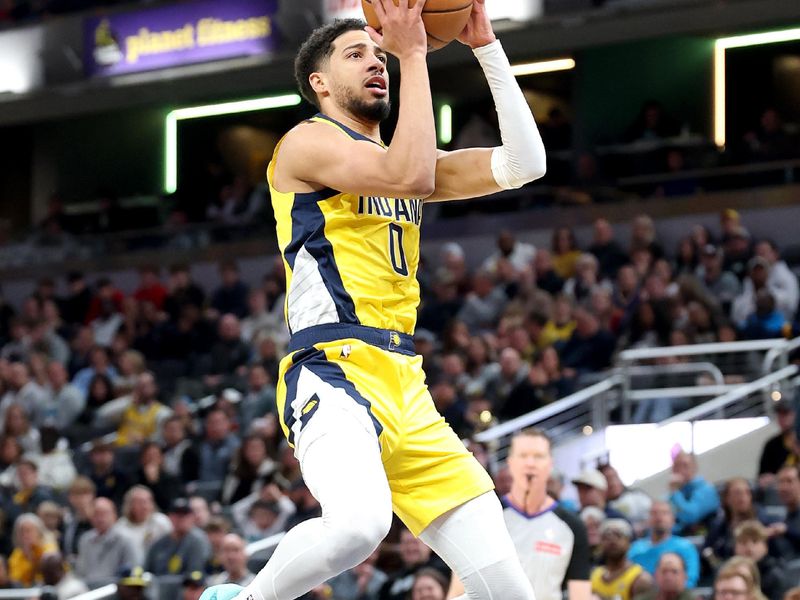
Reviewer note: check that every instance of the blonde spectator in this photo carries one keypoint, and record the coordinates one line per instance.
(31, 541)
(734, 583)
(141, 522)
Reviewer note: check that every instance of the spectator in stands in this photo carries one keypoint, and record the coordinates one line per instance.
(618, 578)
(64, 402)
(566, 253)
(670, 580)
(769, 141)
(29, 493)
(21, 390)
(648, 551)
(592, 488)
(782, 282)
(263, 513)
(652, 124)
(731, 583)
(429, 584)
(788, 481)
(217, 448)
(99, 364)
(194, 583)
(693, 498)
(508, 386)
(18, 426)
(183, 551)
(101, 393)
(644, 237)
(141, 522)
(632, 503)
(545, 274)
(231, 296)
(608, 251)
(180, 456)
(483, 305)
(251, 466)
(362, 582)
(104, 550)
(766, 321)
(31, 542)
(560, 326)
(80, 497)
(105, 312)
(782, 449)
(259, 397)
(751, 542)
(234, 559)
(229, 356)
(75, 307)
(722, 285)
(216, 529)
(150, 287)
(737, 508)
(55, 574)
(133, 584)
(589, 348)
(201, 510)
(415, 556)
(592, 518)
(258, 320)
(110, 482)
(52, 516)
(141, 420)
(182, 291)
(519, 254)
(586, 278)
(56, 469)
(151, 474)
(738, 251)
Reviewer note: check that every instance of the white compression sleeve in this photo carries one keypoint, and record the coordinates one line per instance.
(521, 158)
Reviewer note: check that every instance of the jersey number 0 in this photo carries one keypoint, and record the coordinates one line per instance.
(396, 251)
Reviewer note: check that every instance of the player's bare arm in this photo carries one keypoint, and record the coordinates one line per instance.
(477, 172)
(315, 156)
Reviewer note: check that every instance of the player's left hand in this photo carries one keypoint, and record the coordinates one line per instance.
(478, 32)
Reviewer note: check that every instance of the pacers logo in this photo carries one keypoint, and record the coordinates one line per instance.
(394, 340)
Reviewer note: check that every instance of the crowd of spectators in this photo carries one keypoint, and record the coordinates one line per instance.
(20, 11)
(184, 379)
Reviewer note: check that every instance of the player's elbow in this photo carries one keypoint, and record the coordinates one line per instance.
(421, 186)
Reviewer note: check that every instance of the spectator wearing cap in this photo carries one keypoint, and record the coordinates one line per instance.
(788, 484)
(55, 574)
(592, 489)
(618, 578)
(234, 560)
(751, 542)
(782, 449)
(720, 284)
(133, 584)
(104, 550)
(694, 499)
(648, 551)
(194, 583)
(631, 502)
(183, 551)
(670, 580)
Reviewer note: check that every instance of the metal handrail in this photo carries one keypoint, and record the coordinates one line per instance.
(540, 414)
(740, 392)
(695, 349)
(681, 392)
(775, 353)
(21, 593)
(265, 544)
(678, 369)
(107, 591)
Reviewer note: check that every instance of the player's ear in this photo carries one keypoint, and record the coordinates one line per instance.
(318, 82)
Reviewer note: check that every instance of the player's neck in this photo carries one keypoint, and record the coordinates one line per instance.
(531, 501)
(370, 129)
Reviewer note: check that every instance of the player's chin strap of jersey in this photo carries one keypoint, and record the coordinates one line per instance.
(521, 158)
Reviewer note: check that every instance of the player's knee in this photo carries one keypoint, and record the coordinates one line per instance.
(357, 539)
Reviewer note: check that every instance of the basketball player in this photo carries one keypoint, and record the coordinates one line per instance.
(352, 396)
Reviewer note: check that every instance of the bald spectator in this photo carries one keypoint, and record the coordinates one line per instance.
(592, 491)
(648, 551)
(608, 251)
(693, 498)
(234, 561)
(104, 551)
(670, 580)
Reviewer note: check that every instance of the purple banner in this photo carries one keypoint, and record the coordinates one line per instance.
(180, 34)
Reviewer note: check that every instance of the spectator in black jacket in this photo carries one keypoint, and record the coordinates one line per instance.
(782, 449)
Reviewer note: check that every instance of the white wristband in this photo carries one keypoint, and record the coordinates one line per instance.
(521, 158)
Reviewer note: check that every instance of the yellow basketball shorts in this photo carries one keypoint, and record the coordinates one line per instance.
(375, 376)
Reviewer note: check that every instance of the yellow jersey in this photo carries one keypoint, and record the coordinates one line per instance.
(349, 258)
(619, 588)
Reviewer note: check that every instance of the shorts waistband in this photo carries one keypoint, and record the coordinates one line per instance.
(393, 341)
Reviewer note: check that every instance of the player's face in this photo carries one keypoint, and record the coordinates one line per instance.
(358, 78)
(530, 458)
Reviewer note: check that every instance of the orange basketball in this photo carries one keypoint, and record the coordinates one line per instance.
(444, 19)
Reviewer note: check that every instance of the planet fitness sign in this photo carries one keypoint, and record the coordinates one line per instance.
(180, 34)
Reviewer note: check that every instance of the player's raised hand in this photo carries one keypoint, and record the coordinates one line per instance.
(478, 30)
(402, 30)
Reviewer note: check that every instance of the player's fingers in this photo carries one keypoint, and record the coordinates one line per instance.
(419, 6)
(380, 9)
(374, 35)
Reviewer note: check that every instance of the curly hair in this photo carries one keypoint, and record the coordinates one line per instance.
(318, 48)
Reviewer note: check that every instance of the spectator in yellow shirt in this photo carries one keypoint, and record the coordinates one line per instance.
(31, 542)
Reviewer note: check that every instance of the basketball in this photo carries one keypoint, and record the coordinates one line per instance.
(444, 19)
